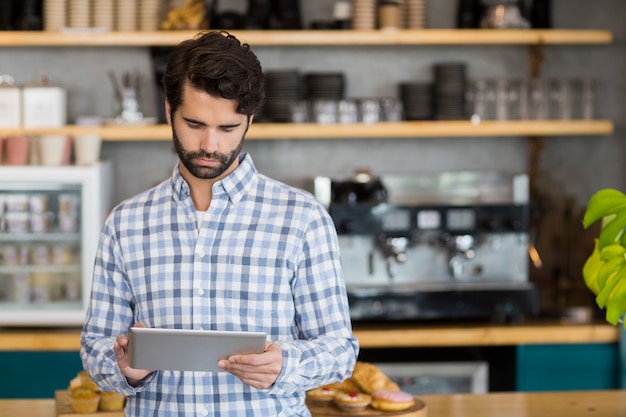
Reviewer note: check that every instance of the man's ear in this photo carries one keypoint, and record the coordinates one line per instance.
(167, 112)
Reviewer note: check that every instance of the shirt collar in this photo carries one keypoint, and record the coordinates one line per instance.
(234, 186)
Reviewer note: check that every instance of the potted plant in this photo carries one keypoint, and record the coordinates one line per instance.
(604, 271)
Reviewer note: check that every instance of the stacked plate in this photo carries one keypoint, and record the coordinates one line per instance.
(325, 85)
(104, 14)
(54, 15)
(149, 14)
(450, 88)
(363, 14)
(283, 88)
(79, 14)
(415, 14)
(288, 14)
(6, 16)
(126, 19)
(417, 100)
(258, 14)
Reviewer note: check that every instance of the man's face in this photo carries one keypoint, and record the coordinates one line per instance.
(208, 133)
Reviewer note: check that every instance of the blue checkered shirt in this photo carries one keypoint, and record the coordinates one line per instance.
(265, 258)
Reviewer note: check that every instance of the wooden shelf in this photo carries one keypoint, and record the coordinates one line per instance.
(493, 335)
(315, 38)
(376, 337)
(407, 130)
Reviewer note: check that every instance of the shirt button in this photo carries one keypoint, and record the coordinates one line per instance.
(201, 254)
(205, 412)
(191, 217)
(200, 291)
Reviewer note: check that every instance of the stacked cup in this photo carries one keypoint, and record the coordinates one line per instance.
(415, 14)
(127, 15)
(363, 14)
(54, 15)
(79, 14)
(150, 15)
(104, 14)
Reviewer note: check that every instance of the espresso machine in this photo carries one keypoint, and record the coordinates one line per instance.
(433, 246)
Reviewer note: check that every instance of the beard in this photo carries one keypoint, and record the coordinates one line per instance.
(200, 171)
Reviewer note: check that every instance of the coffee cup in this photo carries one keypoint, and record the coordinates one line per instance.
(17, 150)
(87, 149)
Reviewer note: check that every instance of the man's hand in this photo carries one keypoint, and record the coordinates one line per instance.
(133, 376)
(258, 370)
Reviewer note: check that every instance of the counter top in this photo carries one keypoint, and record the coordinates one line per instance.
(376, 336)
(537, 404)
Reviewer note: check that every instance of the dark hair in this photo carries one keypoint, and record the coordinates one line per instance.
(218, 63)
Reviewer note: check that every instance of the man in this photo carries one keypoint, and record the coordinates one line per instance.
(219, 246)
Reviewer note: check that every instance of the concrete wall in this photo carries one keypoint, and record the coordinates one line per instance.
(577, 166)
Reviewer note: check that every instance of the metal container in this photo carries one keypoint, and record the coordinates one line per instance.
(10, 103)
(44, 105)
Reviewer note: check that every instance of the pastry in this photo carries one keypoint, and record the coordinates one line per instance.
(352, 401)
(391, 400)
(82, 380)
(84, 400)
(347, 385)
(111, 401)
(370, 378)
(323, 393)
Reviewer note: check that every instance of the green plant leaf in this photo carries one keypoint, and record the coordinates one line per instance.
(608, 205)
(612, 260)
(604, 271)
(613, 230)
(590, 269)
(615, 305)
(603, 203)
(606, 294)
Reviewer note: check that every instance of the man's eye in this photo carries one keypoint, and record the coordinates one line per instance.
(194, 125)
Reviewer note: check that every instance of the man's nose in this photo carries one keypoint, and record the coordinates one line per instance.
(210, 141)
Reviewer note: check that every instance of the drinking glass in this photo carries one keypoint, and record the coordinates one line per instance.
(325, 111)
(588, 94)
(482, 99)
(560, 99)
(539, 99)
(347, 111)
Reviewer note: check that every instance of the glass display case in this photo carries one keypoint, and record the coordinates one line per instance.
(439, 377)
(50, 220)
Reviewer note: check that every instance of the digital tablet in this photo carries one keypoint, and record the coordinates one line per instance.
(188, 350)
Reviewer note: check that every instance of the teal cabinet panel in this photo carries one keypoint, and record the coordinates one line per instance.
(559, 367)
(36, 374)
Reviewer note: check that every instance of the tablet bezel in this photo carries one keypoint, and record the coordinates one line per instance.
(188, 350)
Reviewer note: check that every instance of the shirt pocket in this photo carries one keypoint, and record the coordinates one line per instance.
(259, 295)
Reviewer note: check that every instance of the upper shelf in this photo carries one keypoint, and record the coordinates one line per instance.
(387, 130)
(315, 37)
